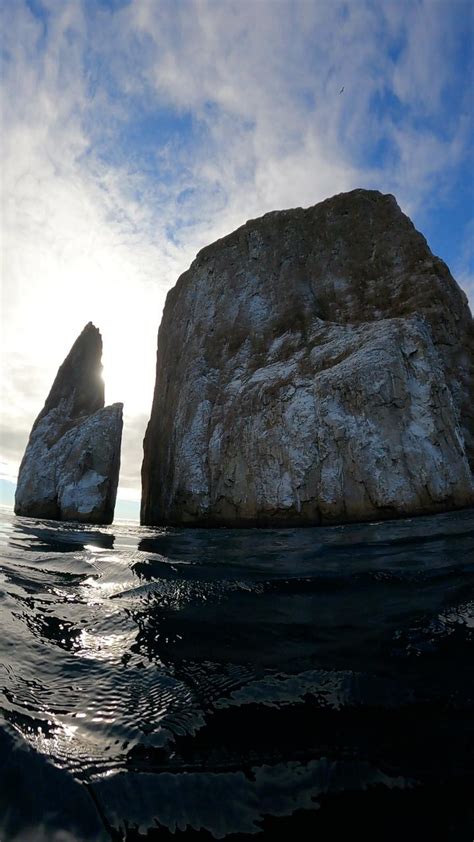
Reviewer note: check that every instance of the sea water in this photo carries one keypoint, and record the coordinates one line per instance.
(237, 684)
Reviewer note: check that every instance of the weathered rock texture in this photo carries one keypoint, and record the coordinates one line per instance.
(314, 366)
(71, 464)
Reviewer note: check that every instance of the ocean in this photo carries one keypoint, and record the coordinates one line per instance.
(228, 684)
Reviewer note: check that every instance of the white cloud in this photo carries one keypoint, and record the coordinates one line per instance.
(263, 79)
(74, 247)
(422, 73)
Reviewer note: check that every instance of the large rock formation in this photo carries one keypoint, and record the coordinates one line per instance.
(314, 366)
(71, 464)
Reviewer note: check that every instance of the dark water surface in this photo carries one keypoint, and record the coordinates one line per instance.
(199, 684)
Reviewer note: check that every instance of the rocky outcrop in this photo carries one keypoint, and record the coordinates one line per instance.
(314, 366)
(71, 464)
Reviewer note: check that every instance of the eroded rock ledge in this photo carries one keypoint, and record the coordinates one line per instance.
(71, 464)
(314, 366)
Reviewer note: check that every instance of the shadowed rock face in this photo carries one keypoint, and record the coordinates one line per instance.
(71, 464)
(314, 366)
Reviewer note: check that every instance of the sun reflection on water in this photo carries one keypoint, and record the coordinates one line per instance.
(103, 647)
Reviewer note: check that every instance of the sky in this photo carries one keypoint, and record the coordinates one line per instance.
(134, 133)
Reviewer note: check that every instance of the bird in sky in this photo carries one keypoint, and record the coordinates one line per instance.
(342, 89)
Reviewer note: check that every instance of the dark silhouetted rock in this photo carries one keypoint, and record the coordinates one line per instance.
(71, 465)
(314, 366)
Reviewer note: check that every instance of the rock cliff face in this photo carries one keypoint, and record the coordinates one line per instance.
(71, 464)
(314, 366)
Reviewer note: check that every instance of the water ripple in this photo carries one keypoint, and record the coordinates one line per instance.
(236, 682)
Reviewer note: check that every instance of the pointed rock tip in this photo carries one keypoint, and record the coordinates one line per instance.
(90, 336)
(91, 328)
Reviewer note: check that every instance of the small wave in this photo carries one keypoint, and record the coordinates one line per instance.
(159, 671)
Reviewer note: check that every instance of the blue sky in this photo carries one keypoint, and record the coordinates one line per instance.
(137, 132)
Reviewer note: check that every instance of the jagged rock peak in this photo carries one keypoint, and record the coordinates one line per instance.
(78, 385)
(71, 464)
(314, 366)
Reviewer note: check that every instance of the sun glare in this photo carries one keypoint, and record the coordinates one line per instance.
(126, 383)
